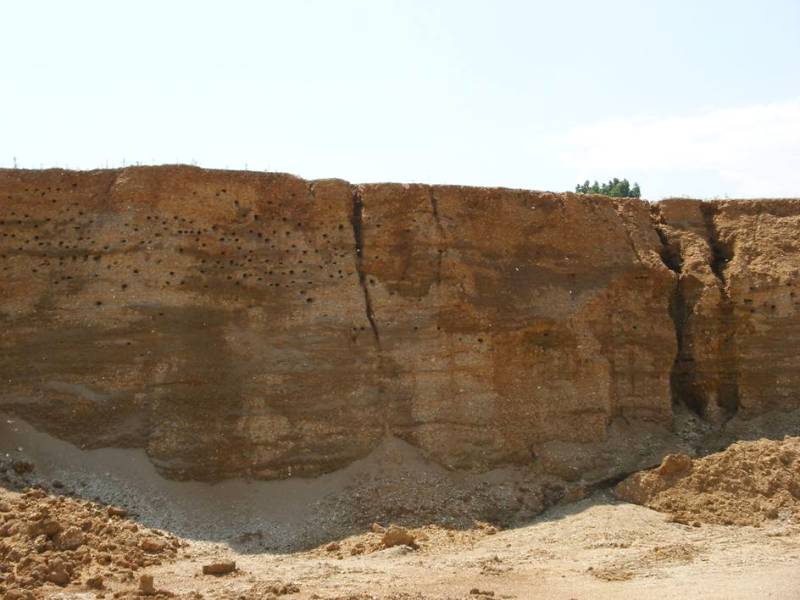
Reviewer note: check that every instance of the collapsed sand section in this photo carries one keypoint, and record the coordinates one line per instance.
(745, 484)
(393, 485)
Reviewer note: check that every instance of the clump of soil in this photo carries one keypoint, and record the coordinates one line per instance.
(746, 484)
(623, 568)
(56, 542)
(424, 540)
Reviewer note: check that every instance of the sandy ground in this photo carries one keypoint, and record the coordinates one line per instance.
(593, 549)
(597, 548)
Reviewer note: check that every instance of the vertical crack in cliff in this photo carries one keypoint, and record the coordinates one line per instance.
(623, 218)
(114, 175)
(356, 220)
(440, 230)
(721, 254)
(310, 186)
(670, 253)
(688, 385)
(683, 377)
(684, 385)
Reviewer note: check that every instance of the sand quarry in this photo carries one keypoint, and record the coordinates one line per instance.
(236, 384)
(102, 524)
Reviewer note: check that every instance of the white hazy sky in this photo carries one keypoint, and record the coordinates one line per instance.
(687, 97)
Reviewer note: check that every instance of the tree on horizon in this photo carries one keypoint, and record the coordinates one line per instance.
(616, 188)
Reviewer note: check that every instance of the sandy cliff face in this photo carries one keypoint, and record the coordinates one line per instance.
(505, 320)
(245, 324)
(736, 306)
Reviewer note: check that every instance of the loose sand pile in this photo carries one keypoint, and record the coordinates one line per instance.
(422, 540)
(48, 543)
(393, 485)
(746, 484)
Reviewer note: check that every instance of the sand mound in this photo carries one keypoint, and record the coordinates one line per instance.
(746, 484)
(57, 542)
(425, 540)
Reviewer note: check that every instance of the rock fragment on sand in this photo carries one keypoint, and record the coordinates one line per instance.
(71, 539)
(146, 586)
(674, 464)
(46, 527)
(115, 511)
(219, 568)
(153, 545)
(398, 536)
(57, 573)
(21, 467)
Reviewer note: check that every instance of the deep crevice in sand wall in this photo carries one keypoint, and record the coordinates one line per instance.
(357, 221)
(439, 230)
(702, 388)
(721, 254)
(684, 387)
(670, 252)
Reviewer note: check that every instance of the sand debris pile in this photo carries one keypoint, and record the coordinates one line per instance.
(647, 562)
(746, 484)
(56, 542)
(428, 539)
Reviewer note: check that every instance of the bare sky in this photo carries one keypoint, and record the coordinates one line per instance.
(694, 97)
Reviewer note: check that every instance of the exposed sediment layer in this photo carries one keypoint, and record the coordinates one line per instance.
(240, 324)
(737, 307)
